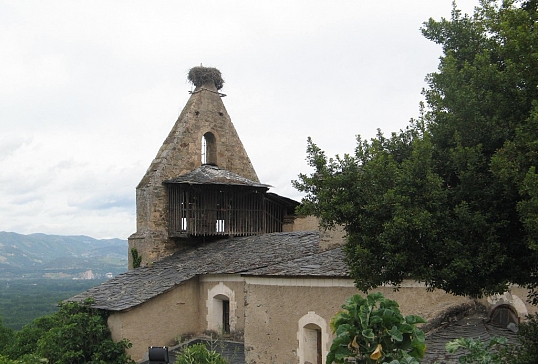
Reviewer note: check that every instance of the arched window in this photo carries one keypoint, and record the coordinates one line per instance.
(220, 317)
(503, 315)
(221, 307)
(204, 150)
(209, 149)
(313, 339)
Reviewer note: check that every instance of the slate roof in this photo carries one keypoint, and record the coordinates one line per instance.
(277, 254)
(329, 263)
(476, 326)
(292, 253)
(208, 174)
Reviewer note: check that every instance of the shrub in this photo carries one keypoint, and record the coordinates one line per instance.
(26, 359)
(6, 337)
(80, 335)
(372, 330)
(25, 340)
(498, 350)
(526, 351)
(137, 259)
(478, 351)
(199, 353)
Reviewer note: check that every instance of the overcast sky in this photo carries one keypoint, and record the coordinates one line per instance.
(90, 89)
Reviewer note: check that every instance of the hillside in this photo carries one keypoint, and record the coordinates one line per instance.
(58, 256)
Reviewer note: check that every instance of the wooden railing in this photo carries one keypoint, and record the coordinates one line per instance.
(204, 210)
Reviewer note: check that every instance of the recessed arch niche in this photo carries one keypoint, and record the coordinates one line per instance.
(209, 149)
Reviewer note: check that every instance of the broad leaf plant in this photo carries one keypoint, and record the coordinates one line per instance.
(372, 330)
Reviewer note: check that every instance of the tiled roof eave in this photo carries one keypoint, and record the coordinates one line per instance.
(196, 183)
(208, 174)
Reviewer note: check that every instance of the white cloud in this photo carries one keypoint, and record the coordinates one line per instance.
(90, 90)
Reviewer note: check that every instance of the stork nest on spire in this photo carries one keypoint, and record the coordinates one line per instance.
(200, 75)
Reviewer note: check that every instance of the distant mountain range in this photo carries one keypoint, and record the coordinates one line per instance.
(58, 256)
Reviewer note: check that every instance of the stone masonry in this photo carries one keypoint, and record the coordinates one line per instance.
(203, 115)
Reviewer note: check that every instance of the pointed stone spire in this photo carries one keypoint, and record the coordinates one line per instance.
(203, 115)
(204, 121)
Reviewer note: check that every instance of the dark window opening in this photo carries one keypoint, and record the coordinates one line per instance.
(318, 346)
(504, 315)
(226, 316)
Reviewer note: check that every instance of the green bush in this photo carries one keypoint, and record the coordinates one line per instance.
(526, 350)
(372, 330)
(199, 353)
(25, 340)
(6, 337)
(76, 334)
(479, 352)
(80, 334)
(498, 350)
(26, 359)
(137, 259)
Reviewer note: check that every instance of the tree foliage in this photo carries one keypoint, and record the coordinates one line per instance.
(26, 340)
(77, 333)
(6, 337)
(452, 200)
(27, 359)
(80, 335)
(526, 349)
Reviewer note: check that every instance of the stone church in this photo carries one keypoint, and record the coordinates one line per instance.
(220, 253)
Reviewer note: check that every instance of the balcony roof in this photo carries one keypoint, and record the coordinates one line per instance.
(209, 174)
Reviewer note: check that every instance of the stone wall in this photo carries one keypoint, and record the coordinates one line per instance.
(329, 239)
(184, 310)
(272, 314)
(231, 286)
(158, 321)
(180, 154)
(277, 307)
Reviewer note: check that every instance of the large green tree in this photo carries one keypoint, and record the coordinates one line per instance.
(80, 334)
(6, 337)
(452, 200)
(77, 333)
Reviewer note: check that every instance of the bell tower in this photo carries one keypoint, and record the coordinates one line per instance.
(202, 135)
